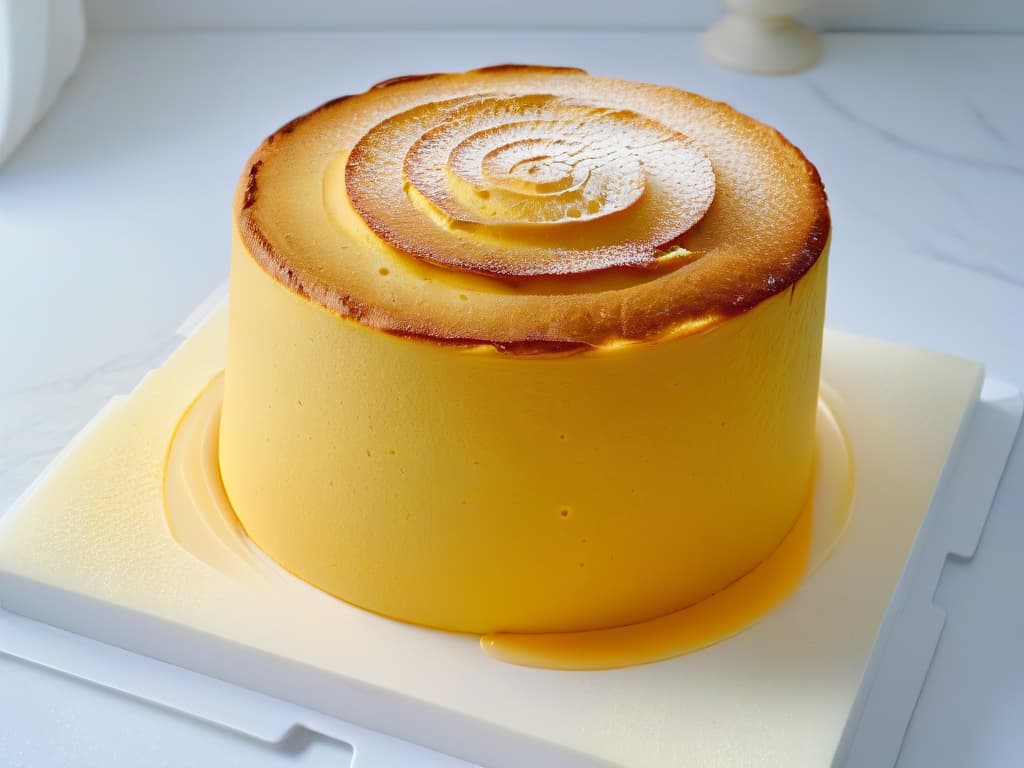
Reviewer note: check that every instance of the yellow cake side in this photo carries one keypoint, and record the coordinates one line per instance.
(479, 491)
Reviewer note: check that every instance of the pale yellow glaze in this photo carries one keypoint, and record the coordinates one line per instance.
(471, 490)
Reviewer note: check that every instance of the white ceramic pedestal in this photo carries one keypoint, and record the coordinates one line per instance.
(763, 38)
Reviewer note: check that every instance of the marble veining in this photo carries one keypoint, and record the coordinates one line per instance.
(903, 142)
(947, 256)
(988, 124)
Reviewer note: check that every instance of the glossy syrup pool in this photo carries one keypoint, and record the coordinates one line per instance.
(200, 518)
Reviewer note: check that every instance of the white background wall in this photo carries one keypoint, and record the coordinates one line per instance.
(838, 15)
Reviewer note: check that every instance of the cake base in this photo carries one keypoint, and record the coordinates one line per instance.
(88, 550)
(202, 521)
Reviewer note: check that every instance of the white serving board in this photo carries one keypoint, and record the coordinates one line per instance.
(779, 693)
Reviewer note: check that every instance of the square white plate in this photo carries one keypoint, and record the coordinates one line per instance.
(87, 549)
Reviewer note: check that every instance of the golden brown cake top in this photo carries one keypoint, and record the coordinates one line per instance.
(531, 208)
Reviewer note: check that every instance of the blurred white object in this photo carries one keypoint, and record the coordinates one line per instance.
(762, 37)
(40, 44)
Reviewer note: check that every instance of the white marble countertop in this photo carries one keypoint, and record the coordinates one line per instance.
(114, 223)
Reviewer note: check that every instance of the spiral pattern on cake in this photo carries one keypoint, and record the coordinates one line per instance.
(528, 185)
